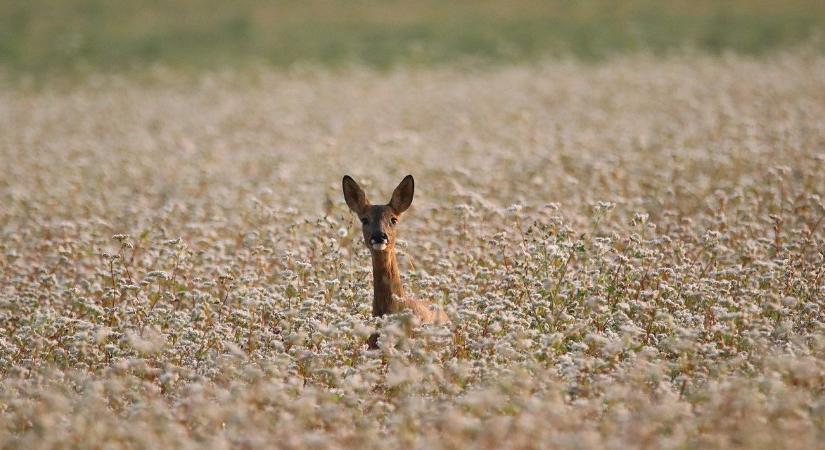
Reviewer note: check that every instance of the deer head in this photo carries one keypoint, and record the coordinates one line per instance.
(379, 221)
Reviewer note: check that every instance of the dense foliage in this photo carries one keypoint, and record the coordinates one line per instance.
(56, 37)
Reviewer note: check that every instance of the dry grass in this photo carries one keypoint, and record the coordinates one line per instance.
(632, 255)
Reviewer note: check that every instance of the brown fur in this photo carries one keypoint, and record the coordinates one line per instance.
(388, 293)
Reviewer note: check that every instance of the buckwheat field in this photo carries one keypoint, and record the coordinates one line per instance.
(632, 254)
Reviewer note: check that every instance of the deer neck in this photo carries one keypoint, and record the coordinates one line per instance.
(386, 278)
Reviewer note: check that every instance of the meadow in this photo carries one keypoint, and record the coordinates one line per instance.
(56, 37)
(631, 251)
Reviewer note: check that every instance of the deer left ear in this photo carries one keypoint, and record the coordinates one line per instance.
(402, 196)
(354, 195)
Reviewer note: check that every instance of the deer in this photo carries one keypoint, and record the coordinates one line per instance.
(379, 226)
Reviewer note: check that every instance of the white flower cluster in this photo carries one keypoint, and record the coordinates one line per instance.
(632, 255)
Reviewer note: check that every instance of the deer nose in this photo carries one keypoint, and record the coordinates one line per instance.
(378, 238)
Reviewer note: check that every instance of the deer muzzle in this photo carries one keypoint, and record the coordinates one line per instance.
(379, 241)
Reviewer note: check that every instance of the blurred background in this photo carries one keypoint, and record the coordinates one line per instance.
(60, 36)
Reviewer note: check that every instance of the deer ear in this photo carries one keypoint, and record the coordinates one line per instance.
(354, 195)
(402, 196)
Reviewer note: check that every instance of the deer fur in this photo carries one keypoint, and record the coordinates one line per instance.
(379, 228)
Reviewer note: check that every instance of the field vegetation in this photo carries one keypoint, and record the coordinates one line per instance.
(631, 252)
(56, 37)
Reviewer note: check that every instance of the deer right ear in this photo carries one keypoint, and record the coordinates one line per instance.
(402, 196)
(354, 195)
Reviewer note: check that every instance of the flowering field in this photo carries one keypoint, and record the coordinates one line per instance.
(632, 254)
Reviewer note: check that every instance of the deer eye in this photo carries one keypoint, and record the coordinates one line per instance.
(364, 220)
(394, 220)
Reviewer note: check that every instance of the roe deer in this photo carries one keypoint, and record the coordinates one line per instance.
(379, 227)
